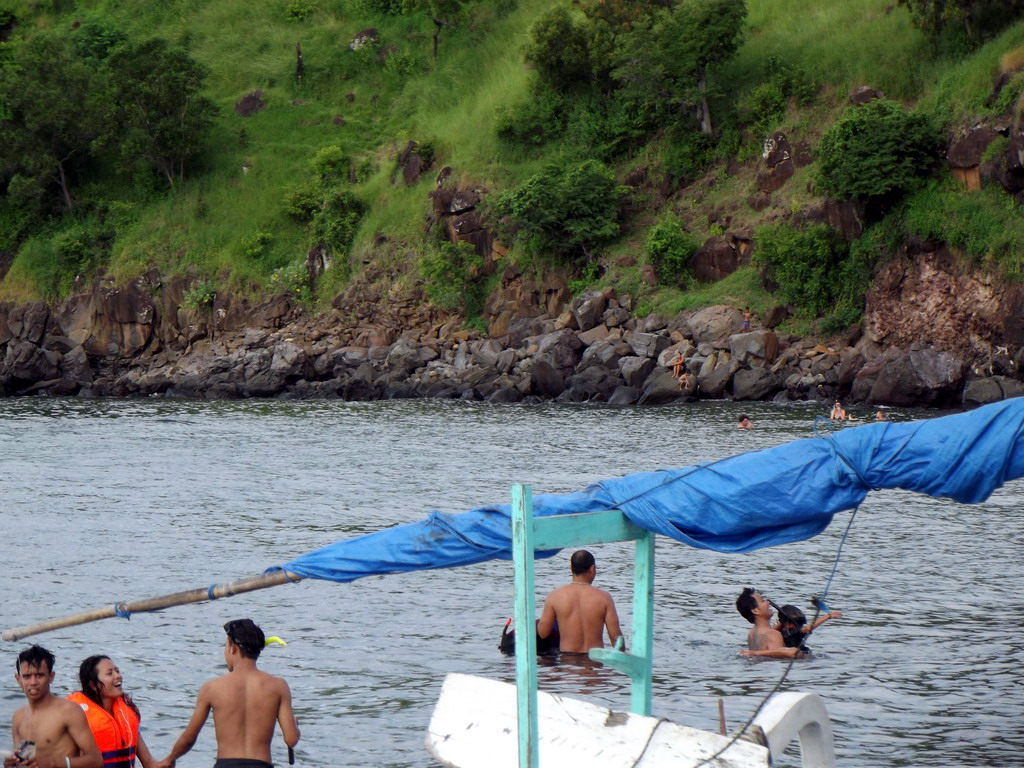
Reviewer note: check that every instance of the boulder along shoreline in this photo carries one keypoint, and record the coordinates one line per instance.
(920, 345)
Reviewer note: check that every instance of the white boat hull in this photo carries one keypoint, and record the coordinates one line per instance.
(474, 725)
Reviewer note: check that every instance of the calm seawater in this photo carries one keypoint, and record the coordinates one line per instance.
(116, 500)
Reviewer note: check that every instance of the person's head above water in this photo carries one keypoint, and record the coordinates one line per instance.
(790, 614)
(35, 656)
(581, 562)
(752, 603)
(247, 636)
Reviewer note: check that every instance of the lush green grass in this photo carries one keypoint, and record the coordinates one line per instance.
(371, 109)
(838, 44)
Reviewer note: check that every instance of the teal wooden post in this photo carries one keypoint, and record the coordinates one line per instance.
(526, 633)
(558, 532)
(643, 622)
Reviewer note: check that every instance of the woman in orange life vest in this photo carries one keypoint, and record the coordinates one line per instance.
(112, 715)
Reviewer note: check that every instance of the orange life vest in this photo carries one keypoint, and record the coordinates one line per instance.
(117, 734)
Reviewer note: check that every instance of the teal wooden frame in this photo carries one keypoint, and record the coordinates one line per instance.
(530, 534)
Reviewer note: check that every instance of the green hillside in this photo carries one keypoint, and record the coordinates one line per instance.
(267, 187)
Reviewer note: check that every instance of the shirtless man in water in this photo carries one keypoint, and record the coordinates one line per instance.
(246, 703)
(763, 639)
(56, 727)
(582, 610)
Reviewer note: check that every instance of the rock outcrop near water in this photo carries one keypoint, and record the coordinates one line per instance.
(932, 337)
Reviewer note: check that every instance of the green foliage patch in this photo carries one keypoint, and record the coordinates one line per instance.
(561, 213)
(986, 225)
(878, 150)
(804, 263)
(453, 277)
(670, 250)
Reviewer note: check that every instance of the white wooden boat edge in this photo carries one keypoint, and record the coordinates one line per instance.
(474, 725)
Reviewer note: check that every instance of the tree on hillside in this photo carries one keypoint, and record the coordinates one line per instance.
(558, 51)
(162, 117)
(444, 13)
(610, 21)
(672, 57)
(695, 38)
(976, 16)
(52, 108)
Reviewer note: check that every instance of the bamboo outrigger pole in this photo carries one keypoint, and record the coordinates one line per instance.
(124, 610)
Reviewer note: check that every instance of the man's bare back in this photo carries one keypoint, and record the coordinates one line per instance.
(581, 610)
(246, 704)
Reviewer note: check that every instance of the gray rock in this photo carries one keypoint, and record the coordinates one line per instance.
(917, 378)
(992, 389)
(652, 323)
(754, 347)
(714, 384)
(75, 366)
(685, 348)
(647, 344)
(615, 316)
(754, 384)
(606, 353)
(505, 395)
(486, 353)
(545, 380)
(29, 363)
(560, 348)
(593, 384)
(625, 396)
(635, 370)
(714, 324)
(661, 387)
(588, 309)
(288, 357)
(598, 333)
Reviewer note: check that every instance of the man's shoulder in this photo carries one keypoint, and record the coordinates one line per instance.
(64, 708)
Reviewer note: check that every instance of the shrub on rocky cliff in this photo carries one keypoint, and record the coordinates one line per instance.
(670, 251)
(564, 211)
(804, 263)
(878, 150)
(330, 211)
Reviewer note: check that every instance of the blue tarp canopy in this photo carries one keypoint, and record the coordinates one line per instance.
(739, 504)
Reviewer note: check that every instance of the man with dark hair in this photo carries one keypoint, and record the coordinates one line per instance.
(49, 732)
(581, 610)
(246, 703)
(763, 639)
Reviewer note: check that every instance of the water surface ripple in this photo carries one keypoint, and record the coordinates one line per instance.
(114, 500)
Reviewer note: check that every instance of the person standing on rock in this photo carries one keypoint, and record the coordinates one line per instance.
(747, 314)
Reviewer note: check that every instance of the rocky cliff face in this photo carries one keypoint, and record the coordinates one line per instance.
(933, 336)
